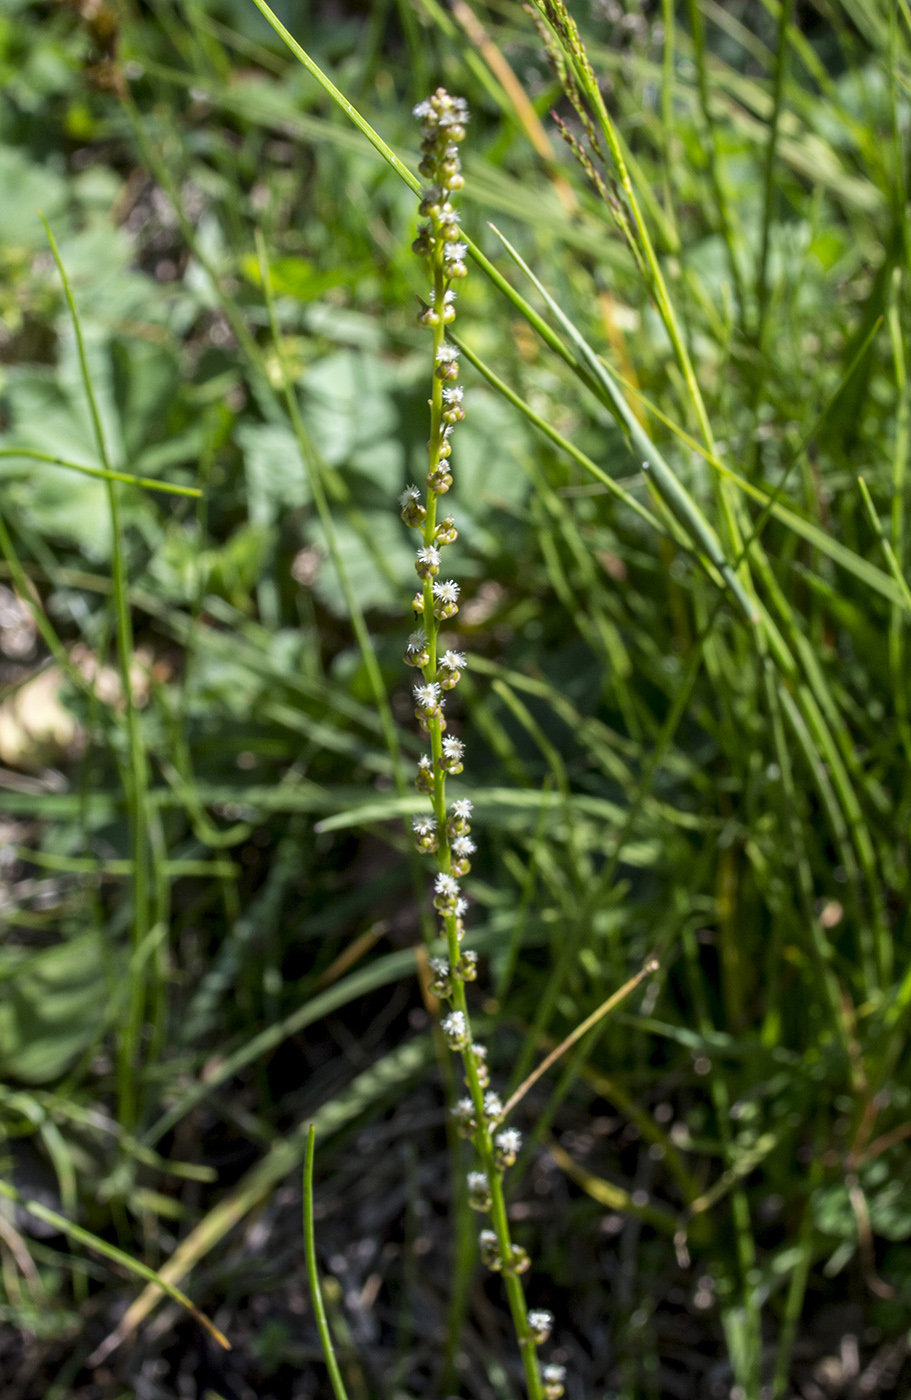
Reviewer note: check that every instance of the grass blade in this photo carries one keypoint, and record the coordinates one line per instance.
(148, 482)
(316, 1295)
(75, 1232)
(137, 784)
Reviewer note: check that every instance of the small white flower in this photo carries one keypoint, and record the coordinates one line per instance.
(456, 111)
(423, 826)
(490, 1250)
(410, 494)
(454, 395)
(429, 556)
(553, 1374)
(452, 747)
(478, 1191)
(455, 1029)
(462, 809)
(540, 1321)
(450, 216)
(427, 695)
(449, 297)
(426, 762)
(509, 1140)
(455, 252)
(440, 966)
(493, 1107)
(446, 353)
(461, 908)
(463, 1113)
(422, 110)
(446, 591)
(453, 660)
(463, 846)
(446, 886)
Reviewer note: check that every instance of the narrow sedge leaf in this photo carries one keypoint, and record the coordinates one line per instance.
(316, 1293)
(668, 485)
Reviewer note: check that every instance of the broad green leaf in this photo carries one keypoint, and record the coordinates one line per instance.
(52, 1008)
(276, 475)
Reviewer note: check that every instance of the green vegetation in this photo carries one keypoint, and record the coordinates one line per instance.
(680, 489)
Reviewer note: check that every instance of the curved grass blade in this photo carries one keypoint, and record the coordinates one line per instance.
(110, 1251)
(884, 544)
(316, 1293)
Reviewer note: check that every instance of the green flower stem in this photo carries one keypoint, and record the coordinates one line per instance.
(484, 1144)
(439, 241)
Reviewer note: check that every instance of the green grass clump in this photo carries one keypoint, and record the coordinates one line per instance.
(681, 494)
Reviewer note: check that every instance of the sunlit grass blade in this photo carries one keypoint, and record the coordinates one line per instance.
(147, 482)
(667, 483)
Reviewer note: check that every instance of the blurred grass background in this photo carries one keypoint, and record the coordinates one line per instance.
(210, 911)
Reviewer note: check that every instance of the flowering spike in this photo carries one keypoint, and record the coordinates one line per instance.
(479, 1114)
